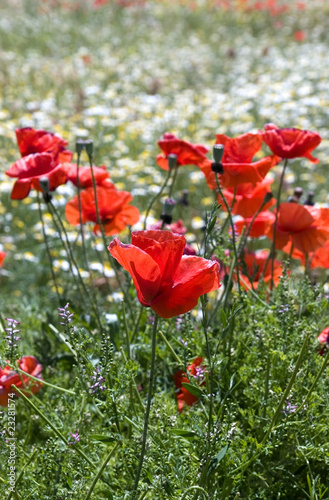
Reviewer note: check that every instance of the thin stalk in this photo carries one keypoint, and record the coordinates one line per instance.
(243, 240)
(91, 298)
(171, 189)
(100, 224)
(80, 217)
(148, 408)
(100, 471)
(272, 253)
(137, 323)
(156, 197)
(43, 382)
(171, 349)
(233, 231)
(48, 249)
(205, 330)
(267, 380)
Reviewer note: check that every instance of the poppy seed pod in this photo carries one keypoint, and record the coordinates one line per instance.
(167, 210)
(172, 161)
(44, 184)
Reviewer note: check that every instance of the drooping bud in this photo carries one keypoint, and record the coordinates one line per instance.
(172, 161)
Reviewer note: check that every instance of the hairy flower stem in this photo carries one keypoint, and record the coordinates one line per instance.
(100, 471)
(47, 248)
(88, 296)
(272, 253)
(100, 223)
(148, 408)
(40, 381)
(156, 197)
(205, 330)
(233, 231)
(80, 215)
(171, 189)
(243, 240)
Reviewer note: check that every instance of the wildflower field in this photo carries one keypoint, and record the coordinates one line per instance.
(164, 249)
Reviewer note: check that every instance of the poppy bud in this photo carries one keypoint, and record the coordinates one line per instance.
(309, 200)
(298, 192)
(218, 151)
(183, 200)
(44, 184)
(172, 161)
(167, 210)
(268, 196)
(84, 144)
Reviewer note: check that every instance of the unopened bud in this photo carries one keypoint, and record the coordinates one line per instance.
(168, 206)
(218, 151)
(298, 192)
(172, 161)
(84, 144)
(268, 196)
(309, 200)
(44, 184)
(184, 200)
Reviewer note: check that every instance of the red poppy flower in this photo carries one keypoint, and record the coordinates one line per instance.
(8, 377)
(114, 210)
(237, 161)
(301, 225)
(165, 279)
(187, 153)
(248, 199)
(240, 149)
(30, 169)
(291, 142)
(253, 268)
(260, 226)
(85, 177)
(32, 141)
(195, 370)
(2, 257)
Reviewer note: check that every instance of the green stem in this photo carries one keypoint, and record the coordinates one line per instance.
(100, 471)
(80, 217)
(233, 231)
(205, 330)
(177, 358)
(148, 408)
(156, 197)
(173, 182)
(47, 248)
(272, 253)
(40, 380)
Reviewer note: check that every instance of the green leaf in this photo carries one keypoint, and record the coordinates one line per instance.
(104, 439)
(224, 318)
(221, 454)
(184, 433)
(193, 389)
